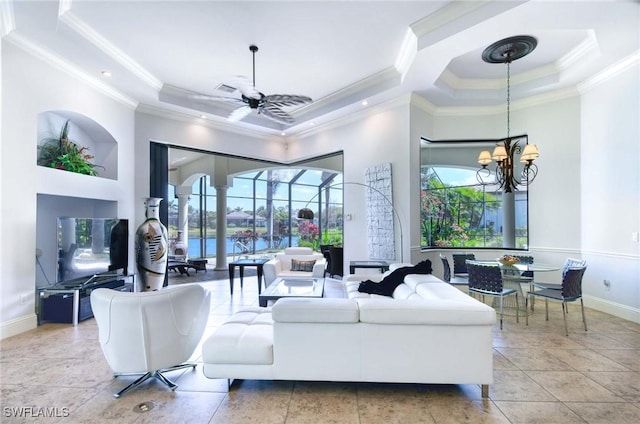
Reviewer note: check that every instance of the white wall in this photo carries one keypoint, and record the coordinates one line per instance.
(610, 193)
(29, 87)
(375, 136)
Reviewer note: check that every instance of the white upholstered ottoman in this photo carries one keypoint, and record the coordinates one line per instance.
(241, 347)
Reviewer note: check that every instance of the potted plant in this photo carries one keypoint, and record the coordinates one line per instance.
(62, 153)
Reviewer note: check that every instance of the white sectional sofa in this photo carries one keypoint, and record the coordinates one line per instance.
(429, 332)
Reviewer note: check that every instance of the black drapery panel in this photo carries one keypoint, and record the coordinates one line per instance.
(159, 177)
(159, 182)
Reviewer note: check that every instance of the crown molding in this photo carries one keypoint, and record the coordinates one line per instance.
(585, 48)
(61, 64)
(360, 90)
(520, 104)
(214, 123)
(544, 98)
(400, 101)
(445, 16)
(7, 18)
(423, 104)
(609, 72)
(95, 38)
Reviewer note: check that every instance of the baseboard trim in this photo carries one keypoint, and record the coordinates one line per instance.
(612, 308)
(18, 325)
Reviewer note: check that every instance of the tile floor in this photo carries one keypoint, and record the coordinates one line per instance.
(541, 376)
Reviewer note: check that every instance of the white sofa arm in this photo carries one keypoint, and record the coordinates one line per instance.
(319, 268)
(271, 269)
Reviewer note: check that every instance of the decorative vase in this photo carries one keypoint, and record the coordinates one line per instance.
(151, 247)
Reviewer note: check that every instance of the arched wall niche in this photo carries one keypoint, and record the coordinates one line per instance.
(85, 132)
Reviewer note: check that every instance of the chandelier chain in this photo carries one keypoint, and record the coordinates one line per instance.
(508, 99)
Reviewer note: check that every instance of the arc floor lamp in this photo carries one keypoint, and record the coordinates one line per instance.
(306, 213)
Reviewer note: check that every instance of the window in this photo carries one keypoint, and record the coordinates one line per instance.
(261, 215)
(459, 212)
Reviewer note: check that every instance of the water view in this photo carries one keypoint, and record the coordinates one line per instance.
(237, 248)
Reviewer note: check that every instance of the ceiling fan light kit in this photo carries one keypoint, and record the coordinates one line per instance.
(269, 106)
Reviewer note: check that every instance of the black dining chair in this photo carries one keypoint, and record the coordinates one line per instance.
(325, 249)
(569, 263)
(525, 259)
(455, 281)
(460, 263)
(486, 280)
(337, 261)
(570, 291)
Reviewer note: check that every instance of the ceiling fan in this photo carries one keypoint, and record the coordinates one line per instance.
(268, 106)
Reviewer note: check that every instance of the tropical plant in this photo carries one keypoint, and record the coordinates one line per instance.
(62, 153)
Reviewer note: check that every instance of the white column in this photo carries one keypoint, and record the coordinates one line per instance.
(508, 220)
(183, 193)
(221, 228)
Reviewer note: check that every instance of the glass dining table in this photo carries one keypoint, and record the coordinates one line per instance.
(513, 278)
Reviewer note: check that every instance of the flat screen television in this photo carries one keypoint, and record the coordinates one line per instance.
(91, 247)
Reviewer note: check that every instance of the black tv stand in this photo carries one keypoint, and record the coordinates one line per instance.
(70, 302)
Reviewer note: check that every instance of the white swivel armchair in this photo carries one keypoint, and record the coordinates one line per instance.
(283, 264)
(150, 333)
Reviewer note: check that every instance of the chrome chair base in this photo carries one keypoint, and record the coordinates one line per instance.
(156, 374)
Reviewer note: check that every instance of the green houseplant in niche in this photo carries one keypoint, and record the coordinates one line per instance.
(62, 153)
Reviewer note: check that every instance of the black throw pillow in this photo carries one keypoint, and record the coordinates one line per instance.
(394, 279)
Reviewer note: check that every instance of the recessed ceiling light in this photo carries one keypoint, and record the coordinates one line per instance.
(283, 133)
(203, 117)
(364, 103)
(312, 123)
(106, 74)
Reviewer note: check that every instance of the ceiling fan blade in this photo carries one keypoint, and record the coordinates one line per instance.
(215, 98)
(239, 113)
(286, 99)
(276, 114)
(246, 88)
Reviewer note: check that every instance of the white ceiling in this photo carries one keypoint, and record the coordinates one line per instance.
(339, 52)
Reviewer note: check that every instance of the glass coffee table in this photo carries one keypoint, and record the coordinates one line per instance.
(292, 287)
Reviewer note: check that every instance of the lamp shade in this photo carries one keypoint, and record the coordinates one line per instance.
(484, 158)
(530, 153)
(499, 153)
(305, 213)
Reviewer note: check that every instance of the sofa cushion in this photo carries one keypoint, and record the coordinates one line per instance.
(413, 280)
(423, 311)
(247, 338)
(285, 260)
(295, 274)
(403, 291)
(327, 310)
(298, 265)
